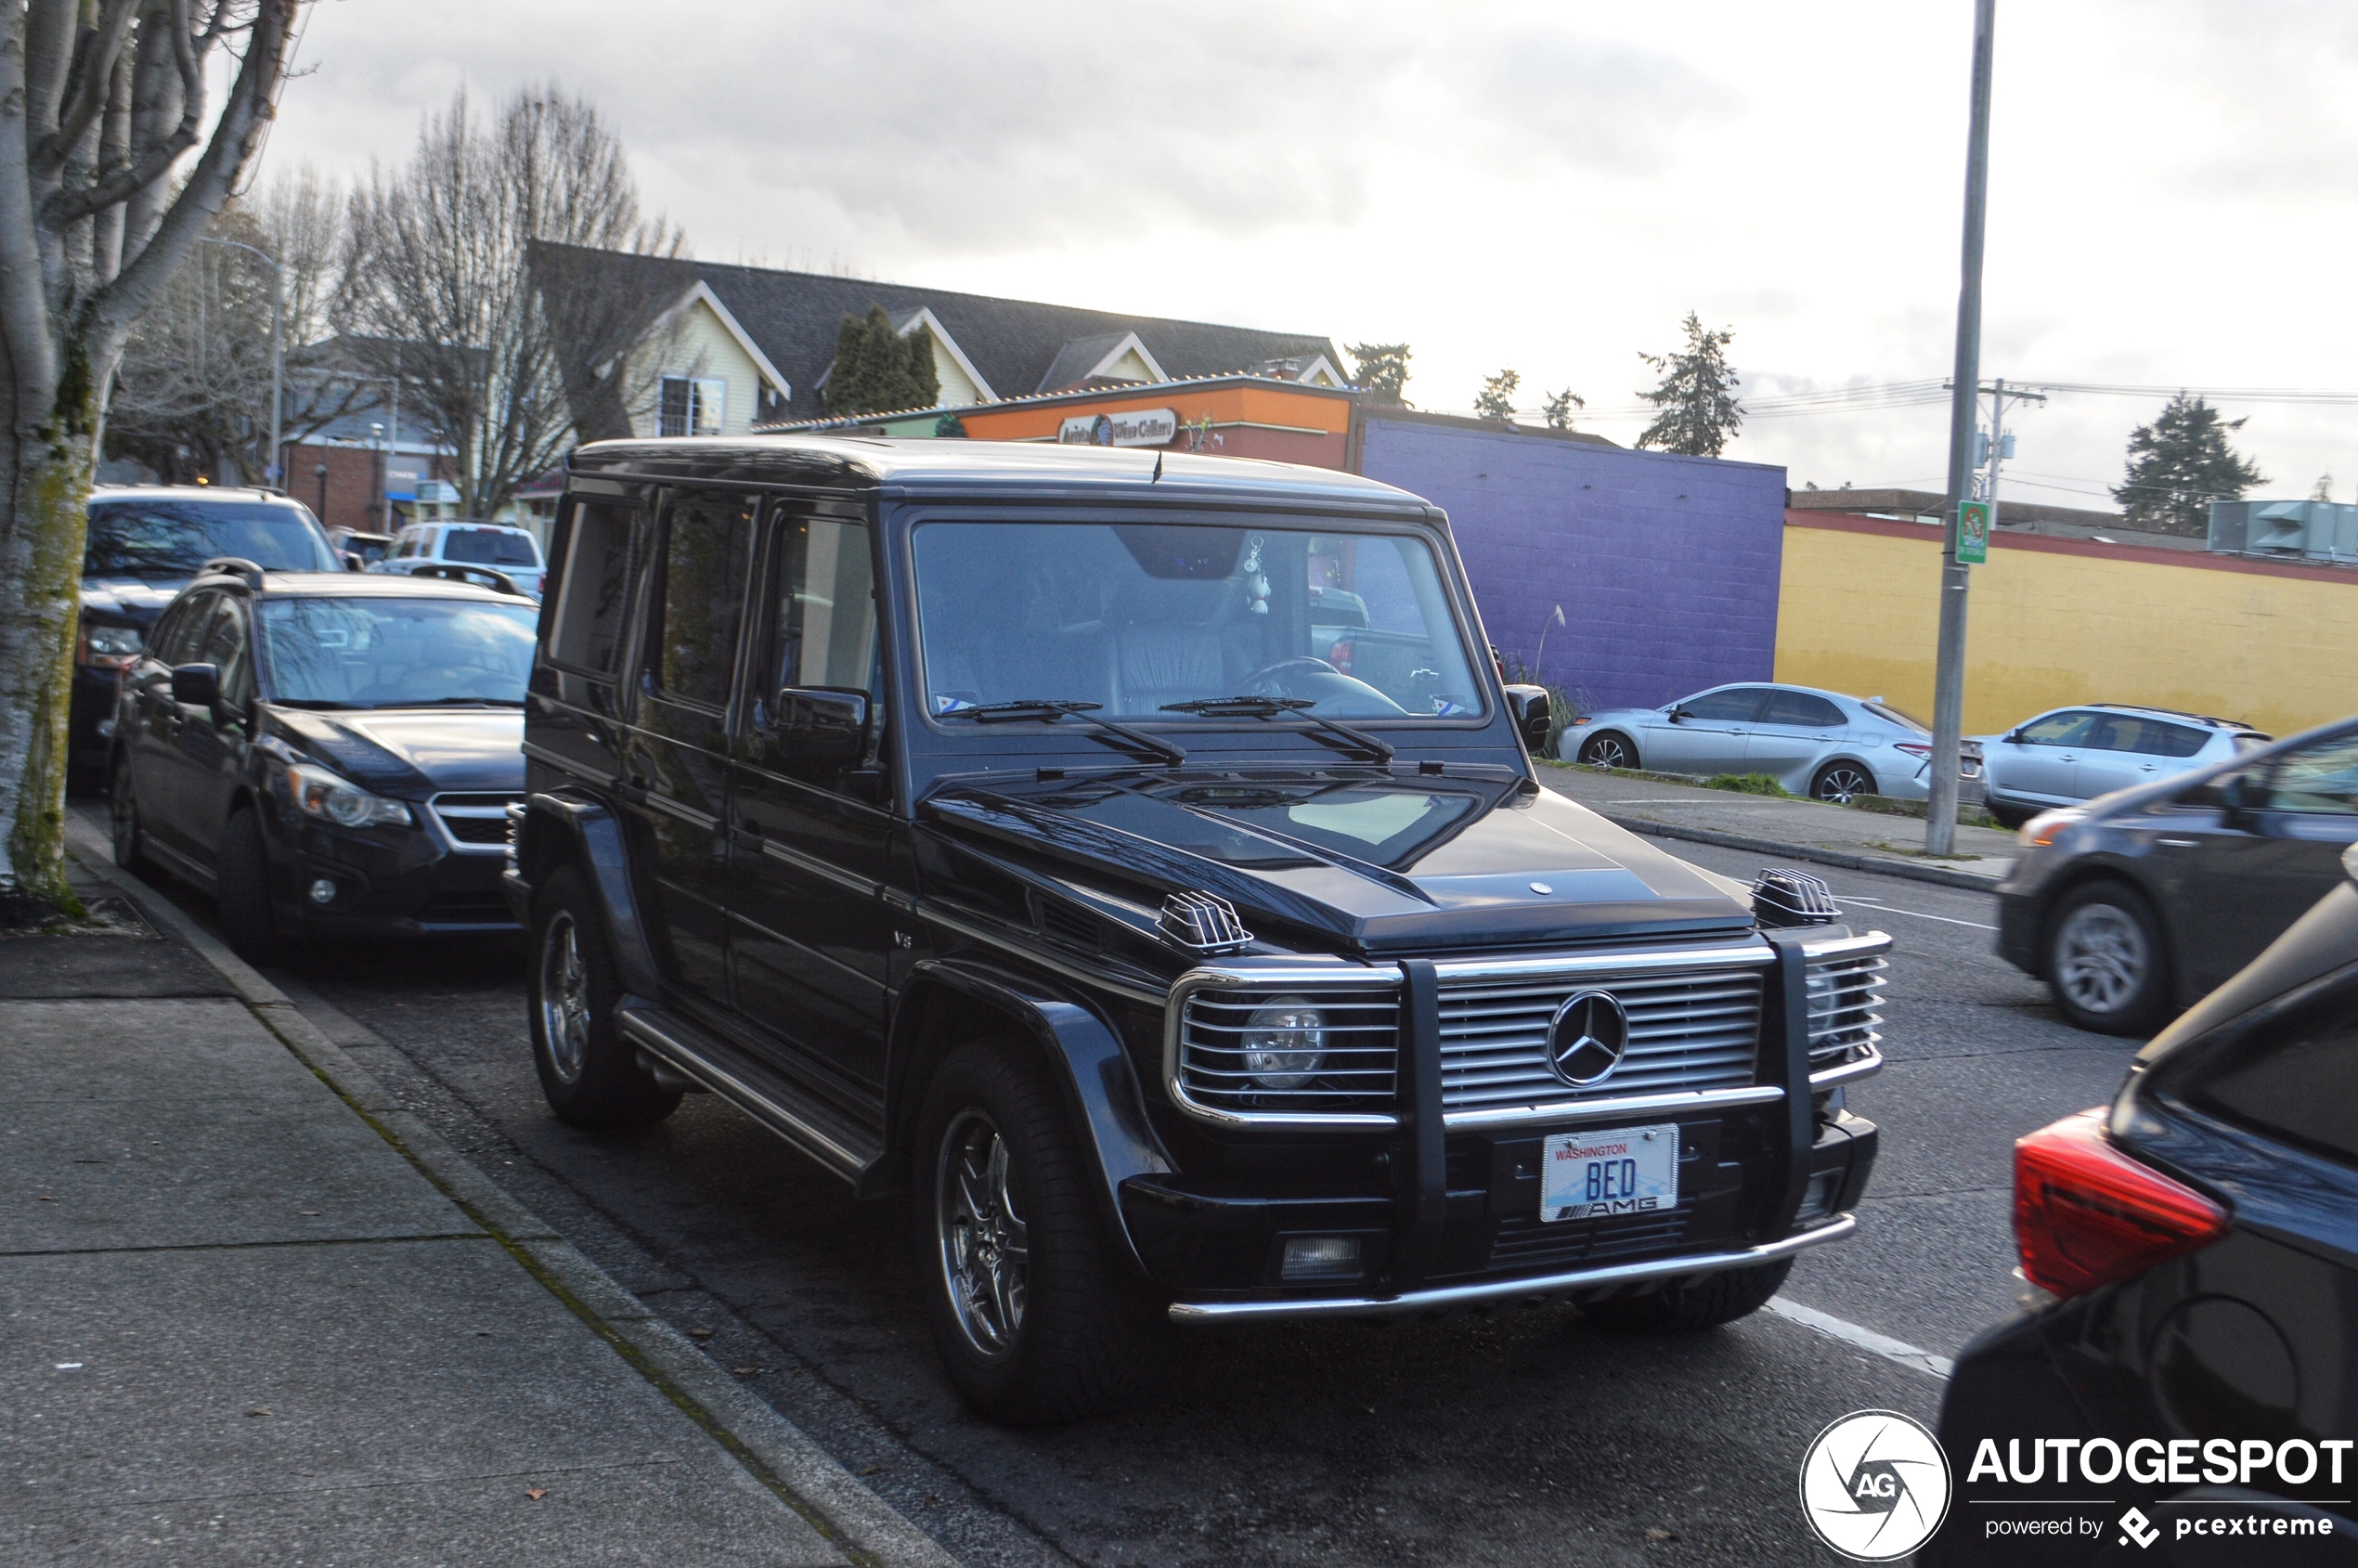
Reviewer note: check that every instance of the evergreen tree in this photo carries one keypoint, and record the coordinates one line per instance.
(1559, 407)
(879, 371)
(1381, 369)
(1497, 398)
(1697, 412)
(2178, 465)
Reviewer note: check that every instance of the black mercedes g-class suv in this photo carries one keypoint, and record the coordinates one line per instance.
(979, 819)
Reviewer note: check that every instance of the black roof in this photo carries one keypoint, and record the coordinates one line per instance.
(950, 466)
(1021, 346)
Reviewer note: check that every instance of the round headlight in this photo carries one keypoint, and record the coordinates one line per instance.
(1284, 1042)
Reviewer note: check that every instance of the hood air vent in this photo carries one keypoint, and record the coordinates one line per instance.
(1783, 898)
(1203, 922)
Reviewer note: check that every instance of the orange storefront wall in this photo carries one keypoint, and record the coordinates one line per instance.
(1272, 420)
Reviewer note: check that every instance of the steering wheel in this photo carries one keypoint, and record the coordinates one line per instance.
(1303, 662)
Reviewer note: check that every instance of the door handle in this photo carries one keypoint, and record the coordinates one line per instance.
(2179, 843)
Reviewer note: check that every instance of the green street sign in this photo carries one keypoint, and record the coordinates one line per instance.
(1973, 533)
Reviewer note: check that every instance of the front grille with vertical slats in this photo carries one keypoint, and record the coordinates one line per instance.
(1687, 1031)
(1846, 996)
(1357, 1047)
(475, 819)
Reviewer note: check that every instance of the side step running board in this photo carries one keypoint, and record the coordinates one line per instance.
(818, 1130)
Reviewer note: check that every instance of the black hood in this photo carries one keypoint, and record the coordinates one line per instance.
(1370, 863)
(134, 601)
(415, 752)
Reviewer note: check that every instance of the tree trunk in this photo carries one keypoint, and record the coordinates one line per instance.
(46, 472)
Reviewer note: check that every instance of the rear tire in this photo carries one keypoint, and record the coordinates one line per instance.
(1685, 1309)
(242, 891)
(589, 1075)
(1841, 783)
(2105, 961)
(1037, 1319)
(2007, 817)
(1609, 748)
(123, 811)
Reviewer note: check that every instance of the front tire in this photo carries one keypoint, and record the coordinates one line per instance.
(1037, 1320)
(242, 891)
(1609, 748)
(2105, 961)
(589, 1075)
(122, 813)
(1685, 1309)
(1841, 783)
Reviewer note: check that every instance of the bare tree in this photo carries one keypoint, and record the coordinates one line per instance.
(441, 297)
(100, 100)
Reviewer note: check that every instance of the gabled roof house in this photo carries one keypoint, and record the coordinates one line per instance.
(715, 349)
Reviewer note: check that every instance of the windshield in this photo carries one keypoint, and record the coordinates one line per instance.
(490, 547)
(396, 652)
(170, 539)
(1137, 617)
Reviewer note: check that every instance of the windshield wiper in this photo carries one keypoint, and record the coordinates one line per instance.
(996, 713)
(456, 701)
(312, 703)
(1282, 707)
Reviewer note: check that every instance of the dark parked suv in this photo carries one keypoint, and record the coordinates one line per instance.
(983, 820)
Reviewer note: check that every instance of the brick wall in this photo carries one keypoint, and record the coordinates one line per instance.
(1667, 567)
(353, 498)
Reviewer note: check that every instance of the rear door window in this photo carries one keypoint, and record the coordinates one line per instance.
(699, 603)
(1803, 709)
(594, 601)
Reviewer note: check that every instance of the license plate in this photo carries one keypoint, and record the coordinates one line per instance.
(1590, 1175)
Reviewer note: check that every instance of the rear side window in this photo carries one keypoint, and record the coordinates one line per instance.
(1801, 708)
(2290, 1075)
(489, 547)
(595, 598)
(691, 638)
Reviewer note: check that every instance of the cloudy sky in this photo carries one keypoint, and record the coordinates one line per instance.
(1547, 186)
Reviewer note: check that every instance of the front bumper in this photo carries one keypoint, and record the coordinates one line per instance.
(405, 883)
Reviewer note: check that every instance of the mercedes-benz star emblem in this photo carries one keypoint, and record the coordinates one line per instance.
(1585, 1041)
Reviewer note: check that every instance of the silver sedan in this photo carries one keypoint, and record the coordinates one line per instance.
(1824, 744)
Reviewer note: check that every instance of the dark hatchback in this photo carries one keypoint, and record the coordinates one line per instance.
(143, 546)
(2138, 902)
(330, 755)
(2194, 1254)
(997, 826)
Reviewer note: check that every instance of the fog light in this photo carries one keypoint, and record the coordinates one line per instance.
(1321, 1257)
(323, 891)
(1817, 1198)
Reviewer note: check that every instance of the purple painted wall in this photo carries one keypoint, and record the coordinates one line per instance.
(1666, 567)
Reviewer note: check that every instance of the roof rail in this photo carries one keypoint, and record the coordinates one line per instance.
(2177, 713)
(233, 566)
(483, 575)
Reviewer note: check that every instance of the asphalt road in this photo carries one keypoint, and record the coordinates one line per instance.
(1522, 1436)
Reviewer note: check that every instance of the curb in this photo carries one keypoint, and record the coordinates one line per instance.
(852, 1519)
(1939, 874)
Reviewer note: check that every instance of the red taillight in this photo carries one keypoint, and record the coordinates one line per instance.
(1911, 748)
(1339, 656)
(2086, 1214)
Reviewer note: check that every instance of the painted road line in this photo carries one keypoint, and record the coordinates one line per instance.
(1863, 1338)
(1883, 908)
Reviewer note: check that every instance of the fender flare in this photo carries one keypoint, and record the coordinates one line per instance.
(557, 828)
(1086, 1056)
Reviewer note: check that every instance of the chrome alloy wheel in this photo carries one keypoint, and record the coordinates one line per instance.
(1843, 784)
(2101, 958)
(1606, 751)
(986, 1253)
(564, 998)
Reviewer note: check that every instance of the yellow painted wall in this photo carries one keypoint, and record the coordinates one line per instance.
(1858, 613)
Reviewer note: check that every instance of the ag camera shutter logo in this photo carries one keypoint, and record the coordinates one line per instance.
(1874, 1485)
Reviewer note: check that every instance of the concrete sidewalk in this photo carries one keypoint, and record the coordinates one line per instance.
(1801, 830)
(256, 1312)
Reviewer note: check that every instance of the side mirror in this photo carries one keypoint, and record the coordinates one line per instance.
(2241, 795)
(2013, 737)
(1534, 717)
(354, 564)
(821, 726)
(1680, 716)
(196, 685)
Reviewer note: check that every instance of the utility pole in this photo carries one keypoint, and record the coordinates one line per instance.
(1949, 680)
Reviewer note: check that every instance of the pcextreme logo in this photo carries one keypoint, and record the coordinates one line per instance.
(1874, 1485)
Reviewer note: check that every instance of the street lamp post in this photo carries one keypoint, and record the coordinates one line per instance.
(277, 312)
